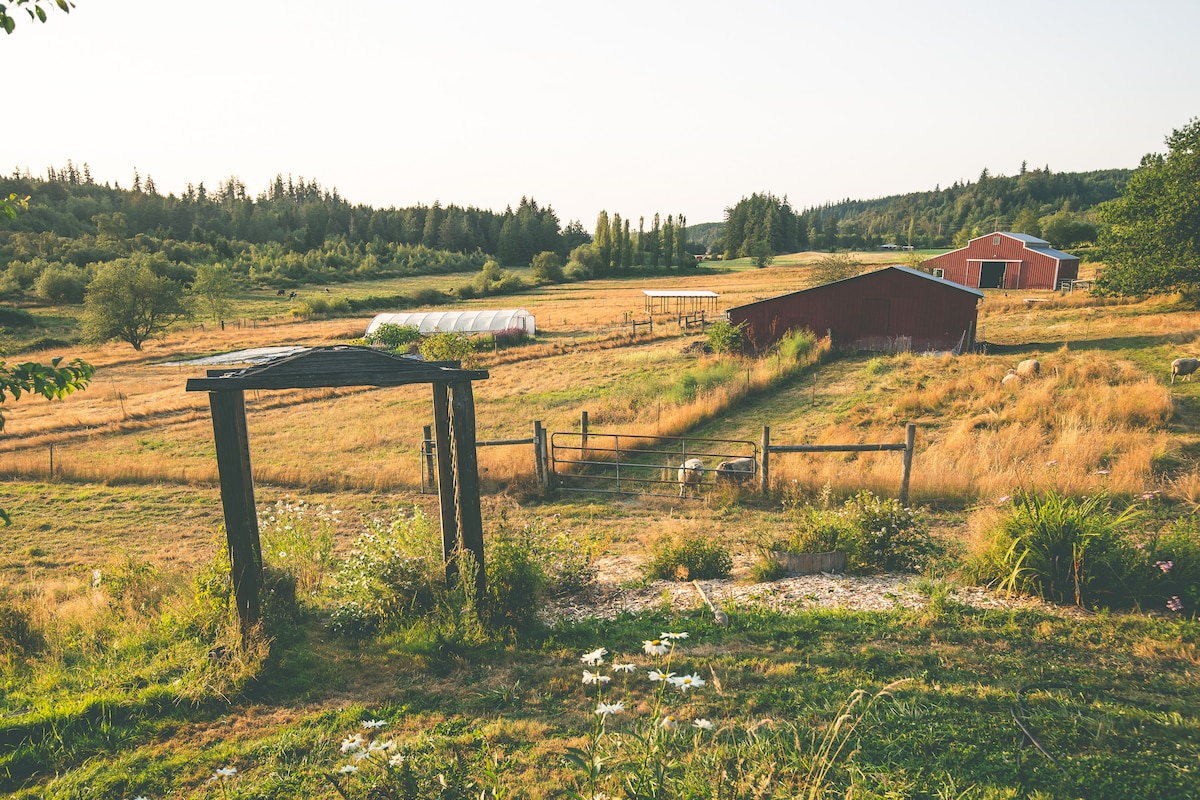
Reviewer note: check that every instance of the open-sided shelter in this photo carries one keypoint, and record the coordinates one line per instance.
(894, 308)
(1006, 261)
(344, 365)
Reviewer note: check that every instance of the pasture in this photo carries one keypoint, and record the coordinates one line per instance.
(99, 706)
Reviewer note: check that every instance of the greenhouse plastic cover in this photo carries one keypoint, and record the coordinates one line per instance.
(480, 321)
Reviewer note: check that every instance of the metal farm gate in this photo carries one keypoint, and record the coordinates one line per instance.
(620, 463)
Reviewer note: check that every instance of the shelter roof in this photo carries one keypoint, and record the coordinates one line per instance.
(337, 365)
(678, 293)
(478, 320)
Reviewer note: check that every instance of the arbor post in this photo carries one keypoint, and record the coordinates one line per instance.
(466, 480)
(237, 500)
(445, 481)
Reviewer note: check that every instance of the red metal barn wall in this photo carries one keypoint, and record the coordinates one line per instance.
(872, 312)
(1026, 268)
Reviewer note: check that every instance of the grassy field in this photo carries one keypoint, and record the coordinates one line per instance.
(117, 686)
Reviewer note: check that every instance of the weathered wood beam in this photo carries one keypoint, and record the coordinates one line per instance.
(237, 499)
(445, 481)
(466, 479)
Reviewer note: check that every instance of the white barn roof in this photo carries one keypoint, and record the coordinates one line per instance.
(477, 321)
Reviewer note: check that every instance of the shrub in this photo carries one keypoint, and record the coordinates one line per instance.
(695, 557)
(516, 584)
(1056, 547)
(724, 337)
(389, 574)
(394, 337)
(322, 306)
(702, 379)
(874, 532)
(61, 284)
(547, 267)
(447, 347)
(796, 345)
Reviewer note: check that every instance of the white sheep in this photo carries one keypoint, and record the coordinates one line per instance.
(690, 475)
(735, 470)
(1029, 367)
(1012, 378)
(1184, 367)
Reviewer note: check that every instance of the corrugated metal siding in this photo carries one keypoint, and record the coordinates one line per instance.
(871, 312)
(1027, 269)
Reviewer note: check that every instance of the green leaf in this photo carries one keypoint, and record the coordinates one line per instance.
(41, 13)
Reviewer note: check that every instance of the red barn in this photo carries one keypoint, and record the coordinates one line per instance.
(1006, 261)
(894, 308)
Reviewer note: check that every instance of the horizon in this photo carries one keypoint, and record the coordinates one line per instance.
(635, 111)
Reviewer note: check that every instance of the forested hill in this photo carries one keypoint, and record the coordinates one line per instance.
(1058, 206)
(295, 230)
(1023, 203)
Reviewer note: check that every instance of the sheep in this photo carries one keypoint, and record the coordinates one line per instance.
(1184, 367)
(1029, 367)
(735, 470)
(1012, 378)
(690, 475)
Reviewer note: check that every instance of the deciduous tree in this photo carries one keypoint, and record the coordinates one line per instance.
(1151, 234)
(130, 301)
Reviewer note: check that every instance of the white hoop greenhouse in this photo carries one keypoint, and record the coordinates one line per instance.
(481, 321)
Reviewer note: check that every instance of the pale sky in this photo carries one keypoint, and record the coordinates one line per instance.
(630, 107)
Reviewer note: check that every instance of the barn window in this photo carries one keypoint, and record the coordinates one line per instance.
(938, 272)
(996, 241)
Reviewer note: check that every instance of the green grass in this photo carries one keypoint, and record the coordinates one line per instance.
(1112, 699)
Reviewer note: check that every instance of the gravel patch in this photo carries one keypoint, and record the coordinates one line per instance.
(620, 587)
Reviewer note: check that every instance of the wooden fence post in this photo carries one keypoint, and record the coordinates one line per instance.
(910, 438)
(765, 474)
(539, 466)
(583, 428)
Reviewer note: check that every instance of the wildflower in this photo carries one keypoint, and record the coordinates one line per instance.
(381, 747)
(669, 722)
(702, 724)
(348, 769)
(371, 724)
(657, 675)
(604, 709)
(655, 647)
(624, 667)
(589, 677)
(1165, 566)
(1051, 463)
(594, 658)
(361, 754)
(1140, 545)
(673, 635)
(352, 743)
(1175, 604)
(1102, 472)
(396, 760)
(223, 772)
(1001, 501)
(685, 682)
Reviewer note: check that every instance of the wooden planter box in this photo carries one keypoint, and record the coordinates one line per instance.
(811, 563)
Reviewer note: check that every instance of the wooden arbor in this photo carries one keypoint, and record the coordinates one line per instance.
(346, 365)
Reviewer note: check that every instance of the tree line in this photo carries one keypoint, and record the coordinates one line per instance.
(1058, 206)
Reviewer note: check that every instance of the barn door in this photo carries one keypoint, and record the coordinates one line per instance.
(991, 274)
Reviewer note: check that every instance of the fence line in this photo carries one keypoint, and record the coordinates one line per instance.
(907, 447)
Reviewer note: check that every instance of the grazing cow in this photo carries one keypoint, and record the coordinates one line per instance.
(690, 475)
(1184, 367)
(735, 470)
(292, 296)
(1029, 367)
(279, 293)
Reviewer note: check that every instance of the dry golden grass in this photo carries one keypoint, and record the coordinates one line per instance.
(1090, 412)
